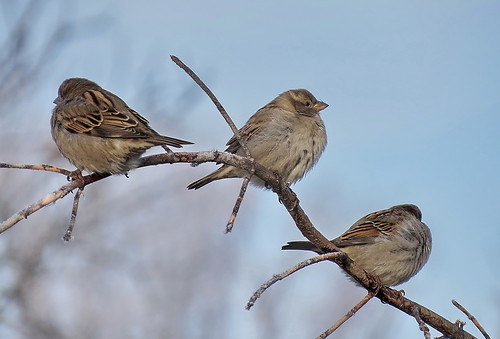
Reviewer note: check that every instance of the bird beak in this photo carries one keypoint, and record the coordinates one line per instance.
(57, 100)
(319, 106)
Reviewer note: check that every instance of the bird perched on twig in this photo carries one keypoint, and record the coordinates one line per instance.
(393, 244)
(97, 132)
(286, 136)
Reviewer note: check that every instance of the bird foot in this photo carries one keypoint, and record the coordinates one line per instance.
(375, 284)
(75, 175)
(398, 294)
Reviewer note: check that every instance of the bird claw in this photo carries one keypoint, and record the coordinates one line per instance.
(376, 284)
(75, 175)
(398, 294)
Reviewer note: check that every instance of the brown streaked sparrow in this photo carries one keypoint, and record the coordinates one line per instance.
(393, 244)
(97, 132)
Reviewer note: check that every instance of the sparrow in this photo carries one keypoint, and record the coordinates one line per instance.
(286, 136)
(97, 132)
(393, 244)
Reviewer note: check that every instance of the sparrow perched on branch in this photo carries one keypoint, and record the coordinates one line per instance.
(393, 244)
(97, 132)
(287, 136)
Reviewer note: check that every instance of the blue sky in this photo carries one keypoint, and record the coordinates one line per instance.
(413, 118)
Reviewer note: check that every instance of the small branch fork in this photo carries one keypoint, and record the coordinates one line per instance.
(216, 102)
(51, 197)
(236, 132)
(76, 200)
(290, 271)
(237, 204)
(472, 318)
(286, 196)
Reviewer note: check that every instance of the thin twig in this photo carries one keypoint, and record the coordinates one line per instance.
(348, 315)
(216, 102)
(421, 325)
(42, 167)
(183, 157)
(229, 121)
(46, 200)
(49, 199)
(168, 150)
(237, 204)
(472, 318)
(291, 270)
(69, 232)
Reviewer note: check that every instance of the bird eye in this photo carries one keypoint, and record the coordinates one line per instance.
(308, 103)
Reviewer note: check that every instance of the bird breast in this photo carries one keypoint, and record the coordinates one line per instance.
(290, 145)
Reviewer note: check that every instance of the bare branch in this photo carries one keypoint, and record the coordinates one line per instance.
(49, 199)
(290, 201)
(472, 318)
(42, 167)
(216, 102)
(165, 158)
(290, 271)
(237, 204)
(229, 121)
(421, 325)
(348, 315)
(76, 200)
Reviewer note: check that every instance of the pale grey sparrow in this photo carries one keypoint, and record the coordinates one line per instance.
(286, 136)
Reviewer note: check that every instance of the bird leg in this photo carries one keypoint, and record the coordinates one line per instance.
(75, 175)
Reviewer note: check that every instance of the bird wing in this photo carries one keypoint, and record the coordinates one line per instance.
(96, 114)
(253, 126)
(367, 229)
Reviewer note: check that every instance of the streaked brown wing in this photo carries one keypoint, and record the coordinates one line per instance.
(96, 114)
(119, 125)
(252, 127)
(365, 230)
(80, 116)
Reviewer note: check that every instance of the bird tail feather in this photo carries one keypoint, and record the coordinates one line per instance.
(216, 175)
(174, 142)
(300, 245)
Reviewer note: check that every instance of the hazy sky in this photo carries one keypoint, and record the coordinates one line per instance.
(413, 89)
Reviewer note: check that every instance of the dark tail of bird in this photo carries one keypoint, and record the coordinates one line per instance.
(174, 142)
(221, 173)
(200, 183)
(300, 245)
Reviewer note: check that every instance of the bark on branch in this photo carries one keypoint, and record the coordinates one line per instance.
(292, 204)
